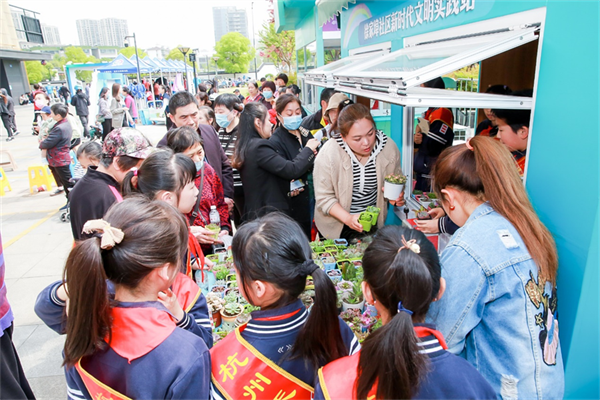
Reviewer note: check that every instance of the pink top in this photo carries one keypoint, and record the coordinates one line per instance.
(130, 103)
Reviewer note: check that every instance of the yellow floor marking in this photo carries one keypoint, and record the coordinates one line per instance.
(32, 227)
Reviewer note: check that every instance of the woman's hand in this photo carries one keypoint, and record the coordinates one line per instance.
(428, 225)
(229, 203)
(399, 201)
(352, 222)
(437, 212)
(203, 235)
(169, 300)
(313, 144)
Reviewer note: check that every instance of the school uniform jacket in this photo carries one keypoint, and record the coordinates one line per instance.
(448, 376)
(273, 333)
(149, 358)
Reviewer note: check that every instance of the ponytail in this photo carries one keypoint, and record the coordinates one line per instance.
(489, 173)
(88, 322)
(318, 341)
(274, 249)
(129, 184)
(390, 358)
(405, 282)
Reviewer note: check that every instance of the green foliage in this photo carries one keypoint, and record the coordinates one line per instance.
(77, 56)
(280, 48)
(234, 52)
(175, 54)
(349, 272)
(221, 272)
(36, 72)
(356, 296)
(130, 51)
(232, 309)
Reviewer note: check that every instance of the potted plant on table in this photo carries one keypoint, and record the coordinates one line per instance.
(215, 305)
(355, 299)
(374, 212)
(393, 186)
(230, 312)
(215, 229)
(335, 275)
(328, 263)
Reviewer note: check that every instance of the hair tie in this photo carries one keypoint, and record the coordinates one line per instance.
(401, 308)
(410, 245)
(308, 267)
(135, 171)
(110, 236)
(468, 144)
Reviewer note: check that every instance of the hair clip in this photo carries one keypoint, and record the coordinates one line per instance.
(135, 171)
(401, 308)
(110, 236)
(410, 245)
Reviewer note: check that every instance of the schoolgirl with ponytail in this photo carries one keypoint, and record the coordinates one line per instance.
(169, 177)
(501, 308)
(123, 346)
(405, 358)
(284, 344)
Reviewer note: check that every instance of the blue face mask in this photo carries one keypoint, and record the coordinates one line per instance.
(222, 120)
(292, 123)
(268, 94)
(199, 165)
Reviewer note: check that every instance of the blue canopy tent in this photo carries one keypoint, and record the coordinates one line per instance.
(120, 65)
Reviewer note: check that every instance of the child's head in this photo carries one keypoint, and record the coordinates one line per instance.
(89, 154)
(513, 128)
(495, 89)
(207, 115)
(59, 112)
(45, 112)
(165, 176)
(187, 141)
(271, 256)
(402, 276)
(145, 261)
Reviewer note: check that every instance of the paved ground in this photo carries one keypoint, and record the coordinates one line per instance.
(36, 244)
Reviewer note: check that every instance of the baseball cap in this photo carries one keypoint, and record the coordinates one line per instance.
(335, 101)
(127, 142)
(77, 87)
(46, 110)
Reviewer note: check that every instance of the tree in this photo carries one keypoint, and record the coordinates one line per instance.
(77, 56)
(130, 51)
(234, 52)
(36, 72)
(175, 54)
(278, 47)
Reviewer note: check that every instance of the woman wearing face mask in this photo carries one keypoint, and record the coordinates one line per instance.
(265, 174)
(350, 171)
(268, 90)
(254, 94)
(289, 139)
(227, 110)
(187, 141)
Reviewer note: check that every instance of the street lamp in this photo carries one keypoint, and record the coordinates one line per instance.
(254, 44)
(184, 51)
(193, 60)
(137, 57)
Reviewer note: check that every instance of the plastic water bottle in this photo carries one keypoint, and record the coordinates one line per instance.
(214, 216)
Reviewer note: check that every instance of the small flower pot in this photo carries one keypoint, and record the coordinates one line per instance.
(218, 289)
(213, 257)
(340, 242)
(366, 220)
(341, 264)
(374, 211)
(228, 321)
(328, 263)
(391, 191)
(348, 306)
(331, 249)
(335, 275)
(215, 229)
(221, 252)
(230, 278)
(216, 319)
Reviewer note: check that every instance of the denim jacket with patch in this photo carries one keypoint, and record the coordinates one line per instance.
(496, 314)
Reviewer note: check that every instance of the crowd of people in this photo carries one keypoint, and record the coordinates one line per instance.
(466, 324)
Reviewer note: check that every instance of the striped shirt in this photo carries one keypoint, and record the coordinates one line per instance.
(364, 186)
(228, 140)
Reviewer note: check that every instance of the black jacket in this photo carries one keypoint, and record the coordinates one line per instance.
(266, 177)
(215, 155)
(90, 199)
(313, 121)
(288, 146)
(81, 103)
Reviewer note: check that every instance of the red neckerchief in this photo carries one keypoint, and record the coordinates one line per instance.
(423, 331)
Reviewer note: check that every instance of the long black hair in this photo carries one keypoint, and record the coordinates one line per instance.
(247, 131)
(230, 101)
(274, 249)
(162, 170)
(155, 234)
(390, 356)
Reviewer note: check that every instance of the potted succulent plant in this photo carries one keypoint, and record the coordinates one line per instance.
(213, 257)
(215, 305)
(328, 263)
(354, 299)
(341, 243)
(219, 290)
(374, 211)
(344, 286)
(349, 273)
(366, 220)
(221, 252)
(221, 273)
(393, 186)
(335, 275)
(230, 312)
(215, 229)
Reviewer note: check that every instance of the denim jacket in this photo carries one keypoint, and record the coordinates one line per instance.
(496, 314)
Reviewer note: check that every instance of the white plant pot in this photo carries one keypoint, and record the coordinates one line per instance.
(347, 306)
(392, 191)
